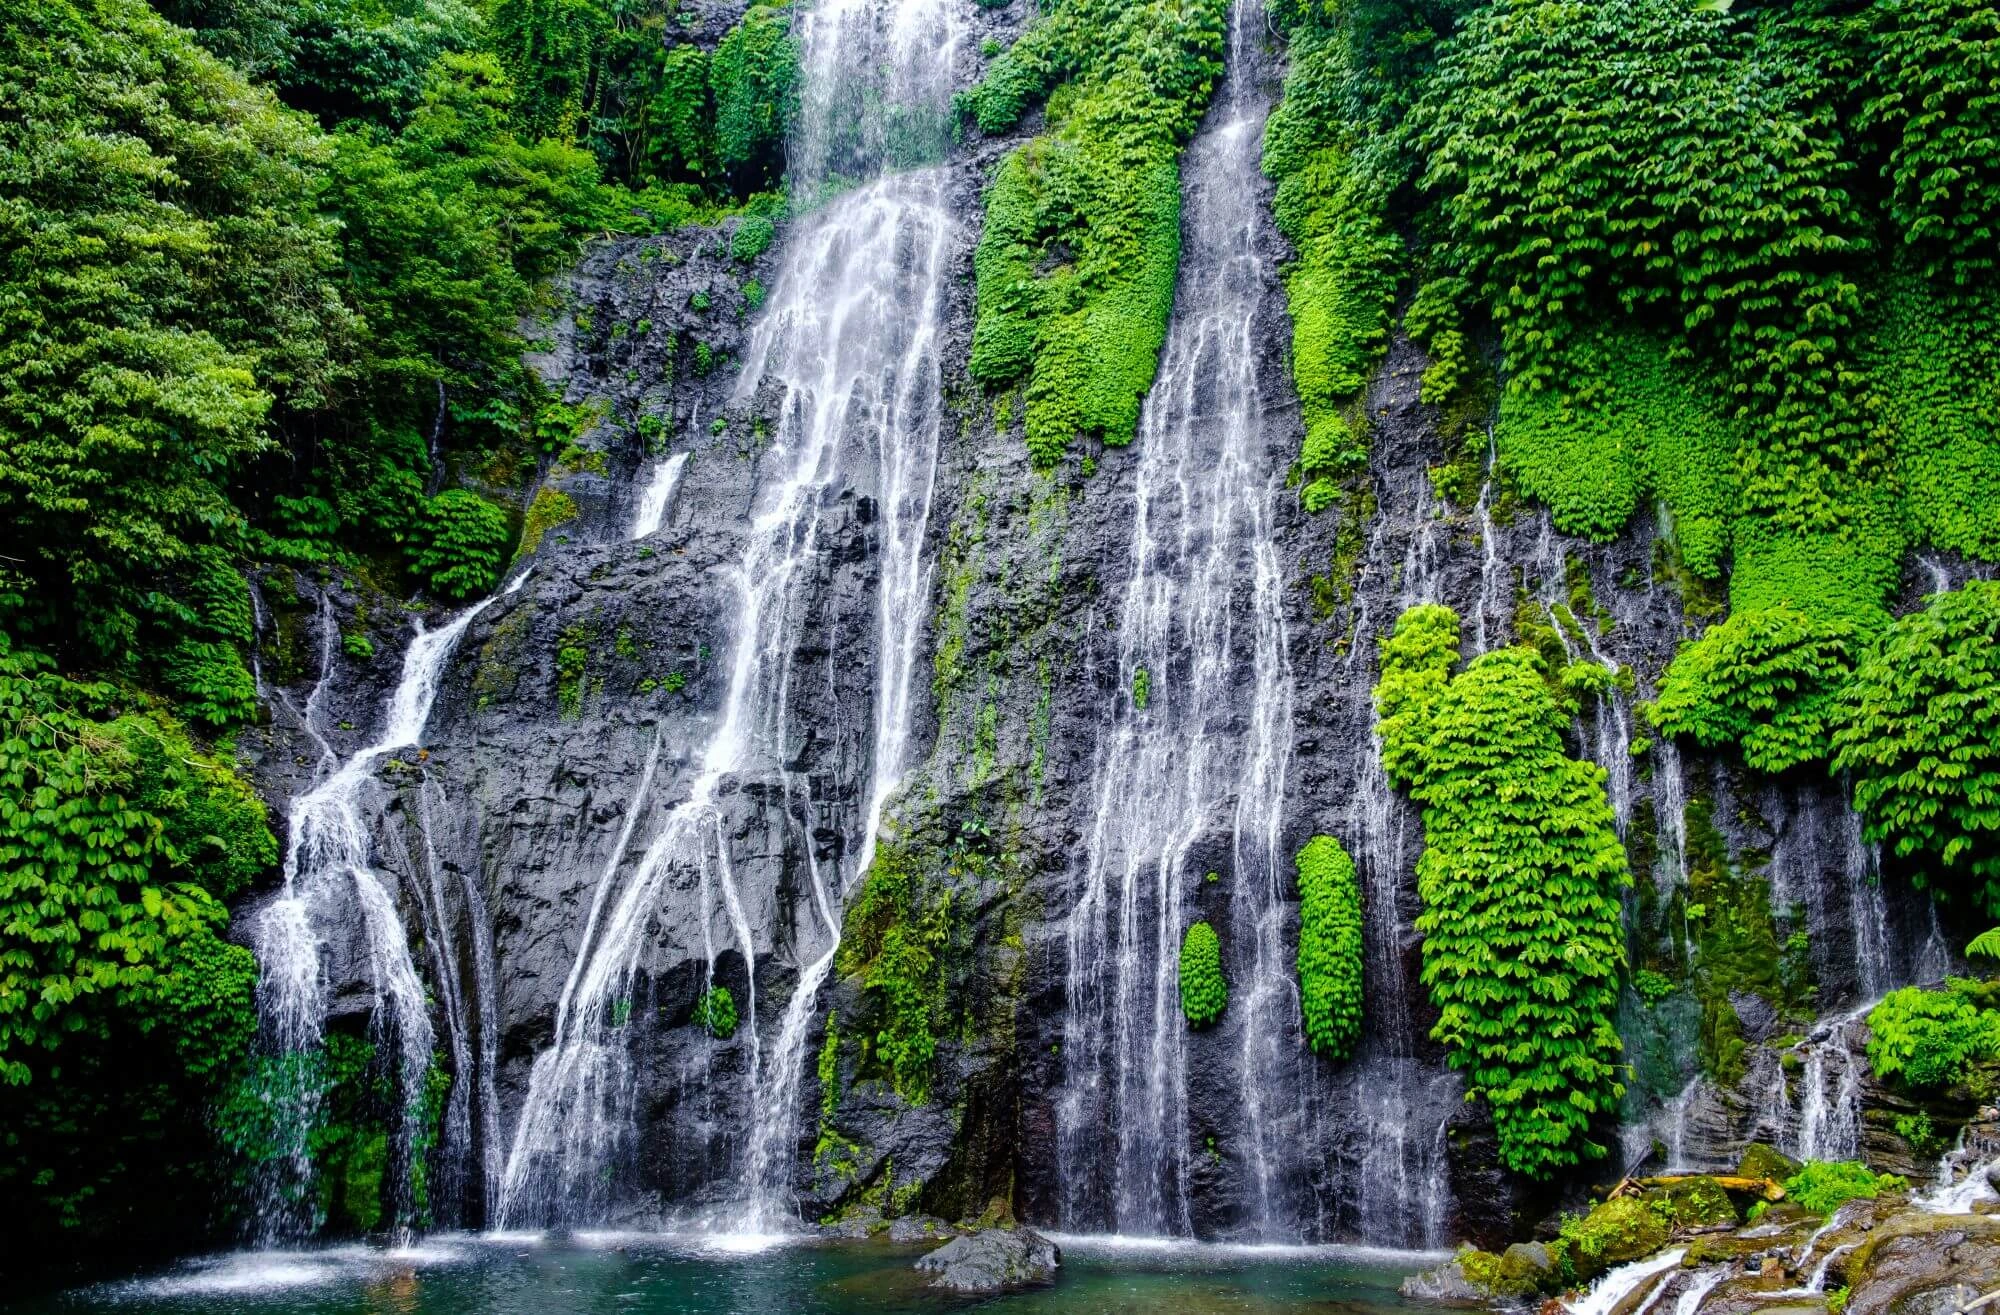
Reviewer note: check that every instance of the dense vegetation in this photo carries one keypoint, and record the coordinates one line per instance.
(1520, 876)
(1077, 259)
(1330, 947)
(263, 272)
(1204, 993)
(1932, 1038)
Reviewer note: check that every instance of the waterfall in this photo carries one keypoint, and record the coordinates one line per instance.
(1492, 569)
(329, 878)
(1609, 1292)
(1187, 773)
(850, 343)
(659, 491)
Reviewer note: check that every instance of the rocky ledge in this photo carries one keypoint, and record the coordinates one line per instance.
(1747, 1244)
(995, 1260)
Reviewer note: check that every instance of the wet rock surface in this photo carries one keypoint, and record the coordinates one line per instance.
(995, 1260)
(540, 772)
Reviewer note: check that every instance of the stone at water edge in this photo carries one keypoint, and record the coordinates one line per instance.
(996, 1260)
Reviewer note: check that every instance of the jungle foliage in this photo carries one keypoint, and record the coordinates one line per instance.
(1076, 264)
(1523, 945)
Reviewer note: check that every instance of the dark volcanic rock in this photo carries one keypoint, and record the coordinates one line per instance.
(996, 1260)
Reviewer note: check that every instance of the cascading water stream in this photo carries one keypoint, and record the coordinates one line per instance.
(657, 495)
(850, 343)
(1186, 761)
(329, 876)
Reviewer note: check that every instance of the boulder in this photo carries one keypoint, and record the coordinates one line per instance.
(1448, 1283)
(1764, 1161)
(1524, 1269)
(1914, 1264)
(996, 1260)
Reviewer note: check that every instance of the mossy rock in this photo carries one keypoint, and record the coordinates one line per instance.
(1700, 1202)
(1761, 1160)
(1525, 1269)
(1615, 1232)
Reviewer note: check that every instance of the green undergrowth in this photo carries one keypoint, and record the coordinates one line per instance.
(1523, 947)
(1077, 260)
(1933, 1039)
(123, 1011)
(1330, 947)
(1823, 1186)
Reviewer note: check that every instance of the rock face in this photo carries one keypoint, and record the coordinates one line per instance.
(574, 716)
(995, 1260)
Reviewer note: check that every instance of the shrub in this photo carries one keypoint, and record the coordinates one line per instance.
(1823, 1186)
(1330, 947)
(715, 1010)
(1204, 995)
(1930, 1038)
(1761, 681)
(461, 545)
(1523, 944)
(1919, 728)
(753, 237)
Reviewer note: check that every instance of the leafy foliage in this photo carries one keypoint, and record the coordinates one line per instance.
(1330, 947)
(121, 1008)
(464, 544)
(1930, 1038)
(715, 1010)
(1763, 681)
(1823, 1186)
(1918, 726)
(754, 78)
(1523, 948)
(1633, 424)
(1076, 263)
(1204, 993)
(1341, 283)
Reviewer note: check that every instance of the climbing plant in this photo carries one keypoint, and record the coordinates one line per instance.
(1523, 948)
(1204, 993)
(1340, 284)
(1918, 726)
(1076, 262)
(1762, 681)
(1330, 947)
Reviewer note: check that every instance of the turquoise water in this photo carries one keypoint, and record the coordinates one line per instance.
(652, 1275)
